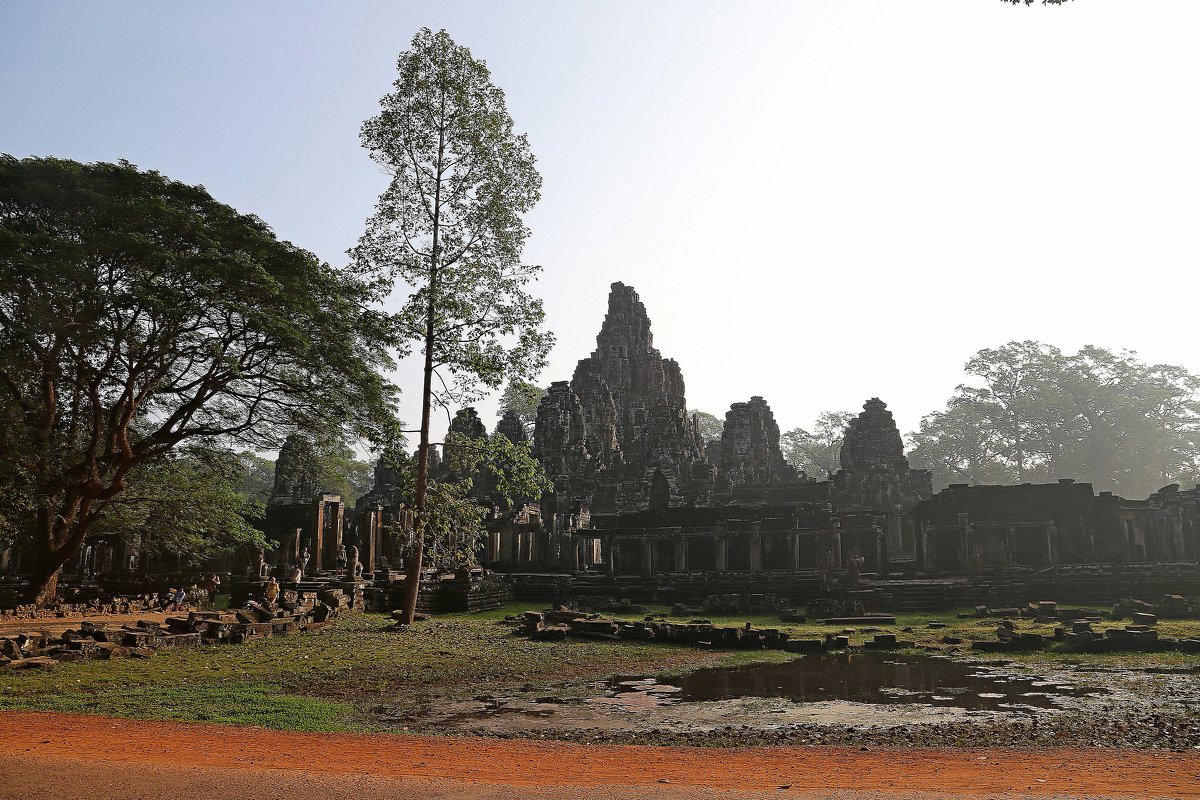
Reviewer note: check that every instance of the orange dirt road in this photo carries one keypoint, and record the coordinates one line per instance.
(73, 756)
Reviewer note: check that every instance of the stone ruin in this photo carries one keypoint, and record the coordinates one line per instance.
(144, 638)
(618, 436)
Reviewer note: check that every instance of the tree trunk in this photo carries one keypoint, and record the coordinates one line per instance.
(48, 559)
(43, 588)
(412, 570)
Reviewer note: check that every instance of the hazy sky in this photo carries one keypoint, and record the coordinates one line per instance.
(818, 202)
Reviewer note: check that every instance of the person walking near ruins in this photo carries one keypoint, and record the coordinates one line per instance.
(212, 585)
(341, 559)
(304, 557)
(271, 591)
(178, 599)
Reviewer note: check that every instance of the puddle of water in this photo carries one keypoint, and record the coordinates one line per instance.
(860, 678)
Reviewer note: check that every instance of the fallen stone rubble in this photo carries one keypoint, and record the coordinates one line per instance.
(115, 605)
(1076, 633)
(557, 625)
(144, 638)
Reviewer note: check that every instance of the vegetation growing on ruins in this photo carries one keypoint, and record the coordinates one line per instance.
(449, 229)
(1033, 413)
(139, 315)
(505, 472)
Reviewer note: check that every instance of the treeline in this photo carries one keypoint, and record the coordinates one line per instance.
(1031, 413)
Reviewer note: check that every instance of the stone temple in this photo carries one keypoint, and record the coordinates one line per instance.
(619, 445)
(643, 506)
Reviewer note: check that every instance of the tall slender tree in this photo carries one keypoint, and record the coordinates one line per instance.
(449, 228)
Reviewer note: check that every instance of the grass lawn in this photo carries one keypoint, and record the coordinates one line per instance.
(338, 679)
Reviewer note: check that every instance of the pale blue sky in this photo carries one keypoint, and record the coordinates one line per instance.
(818, 201)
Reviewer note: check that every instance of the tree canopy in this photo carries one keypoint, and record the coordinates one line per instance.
(522, 398)
(1035, 414)
(138, 315)
(187, 505)
(711, 426)
(817, 452)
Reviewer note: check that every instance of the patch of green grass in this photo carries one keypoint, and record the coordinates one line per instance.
(231, 704)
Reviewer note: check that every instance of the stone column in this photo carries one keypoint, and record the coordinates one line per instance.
(721, 545)
(317, 550)
(681, 546)
(756, 552)
(1051, 543)
(338, 535)
(614, 553)
(794, 549)
(647, 555)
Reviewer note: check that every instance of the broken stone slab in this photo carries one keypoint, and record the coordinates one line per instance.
(550, 633)
(33, 662)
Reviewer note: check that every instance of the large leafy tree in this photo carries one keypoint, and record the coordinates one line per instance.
(522, 397)
(187, 505)
(817, 451)
(479, 474)
(711, 426)
(324, 461)
(449, 228)
(138, 315)
(1034, 413)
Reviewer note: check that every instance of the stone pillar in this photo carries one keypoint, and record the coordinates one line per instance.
(721, 545)
(368, 530)
(756, 552)
(1011, 545)
(337, 513)
(317, 549)
(681, 546)
(647, 555)
(508, 544)
(794, 550)
(614, 553)
(1051, 543)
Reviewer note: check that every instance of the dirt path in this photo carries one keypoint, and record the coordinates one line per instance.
(67, 756)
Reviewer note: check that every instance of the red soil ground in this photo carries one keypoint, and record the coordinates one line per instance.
(70, 756)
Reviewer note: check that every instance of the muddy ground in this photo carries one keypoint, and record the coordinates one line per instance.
(1077, 705)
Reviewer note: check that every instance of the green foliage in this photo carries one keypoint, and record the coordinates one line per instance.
(325, 462)
(1097, 415)
(138, 314)
(258, 477)
(522, 398)
(479, 474)
(711, 426)
(448, 226)
(188, 504)
(817, 452)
